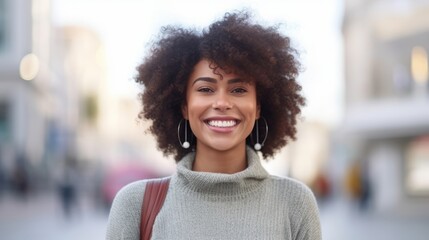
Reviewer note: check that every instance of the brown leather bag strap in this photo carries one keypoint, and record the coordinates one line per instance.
(153, 199)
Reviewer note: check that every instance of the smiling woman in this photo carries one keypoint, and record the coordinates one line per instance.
(221, 109)
(221, 82)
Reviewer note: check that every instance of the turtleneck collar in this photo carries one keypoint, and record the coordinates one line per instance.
(220, 184)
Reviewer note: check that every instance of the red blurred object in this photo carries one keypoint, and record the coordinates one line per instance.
(119, 176)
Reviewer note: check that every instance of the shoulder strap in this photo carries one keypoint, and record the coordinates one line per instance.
(153, 199)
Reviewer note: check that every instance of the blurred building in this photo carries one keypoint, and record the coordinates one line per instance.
(79, 64)
(25, 81)
(386, 125)
(104, 122)
(57, 102)
(50, 80)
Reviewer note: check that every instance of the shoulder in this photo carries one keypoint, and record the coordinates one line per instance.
(124, 216)
(301, 202)
(130, 196)
(298, 197)
(125, 212)
(291, 187)
(133, 192)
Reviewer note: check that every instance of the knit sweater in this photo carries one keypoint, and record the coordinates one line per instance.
(250, 204)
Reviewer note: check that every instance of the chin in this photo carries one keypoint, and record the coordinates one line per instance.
(223, 147)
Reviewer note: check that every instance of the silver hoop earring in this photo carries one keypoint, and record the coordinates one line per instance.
(258, 146)
(185, 144)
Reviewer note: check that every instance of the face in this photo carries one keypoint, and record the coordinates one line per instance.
(221, 110)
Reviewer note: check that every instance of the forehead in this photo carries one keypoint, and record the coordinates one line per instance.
(206, 68)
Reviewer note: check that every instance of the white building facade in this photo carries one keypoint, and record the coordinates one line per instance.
(387, 99)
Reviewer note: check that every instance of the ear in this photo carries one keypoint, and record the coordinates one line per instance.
(185, 111)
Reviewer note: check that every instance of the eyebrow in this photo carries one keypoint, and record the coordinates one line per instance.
(213, 80)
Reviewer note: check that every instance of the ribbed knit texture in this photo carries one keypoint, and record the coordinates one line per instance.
(246, 205)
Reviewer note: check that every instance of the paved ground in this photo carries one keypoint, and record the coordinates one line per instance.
(343, 220)
(41, 217)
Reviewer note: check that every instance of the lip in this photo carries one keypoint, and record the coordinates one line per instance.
(221, 129)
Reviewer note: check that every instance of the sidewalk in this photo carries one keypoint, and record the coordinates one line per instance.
(340, 220)
(41, 217)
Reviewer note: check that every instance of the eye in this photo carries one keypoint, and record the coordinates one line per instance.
(239, 90)
(205, 90)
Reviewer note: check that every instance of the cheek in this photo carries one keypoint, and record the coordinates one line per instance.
(253, 104)
(195, 107)
(252, 110)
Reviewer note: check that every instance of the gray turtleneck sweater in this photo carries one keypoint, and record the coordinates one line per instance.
(250, 204)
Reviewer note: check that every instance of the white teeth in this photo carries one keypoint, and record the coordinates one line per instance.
(217, 123)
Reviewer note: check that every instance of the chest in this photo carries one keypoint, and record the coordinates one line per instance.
(250, 217)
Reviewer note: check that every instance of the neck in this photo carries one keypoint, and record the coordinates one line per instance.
(211, 160)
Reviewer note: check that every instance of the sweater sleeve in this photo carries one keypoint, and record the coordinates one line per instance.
(309, 225)
(125, 213)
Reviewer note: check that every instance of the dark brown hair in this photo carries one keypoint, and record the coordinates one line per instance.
(260, 54)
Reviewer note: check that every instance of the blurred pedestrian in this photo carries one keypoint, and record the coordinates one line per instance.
(321, 186)
(2, 175)
(20, 177)
(353, 181)
(366, 187)
(358, 183)
(67, 187)
(211, 98)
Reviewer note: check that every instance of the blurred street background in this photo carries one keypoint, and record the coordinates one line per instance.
(70, 137)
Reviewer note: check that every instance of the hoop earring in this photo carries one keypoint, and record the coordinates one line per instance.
(185, 144)
(258, 146)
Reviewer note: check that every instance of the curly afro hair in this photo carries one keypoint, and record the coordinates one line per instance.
(259, 54)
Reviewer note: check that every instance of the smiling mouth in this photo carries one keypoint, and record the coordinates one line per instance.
(222, 123)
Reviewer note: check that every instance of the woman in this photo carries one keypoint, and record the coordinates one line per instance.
(212, 97)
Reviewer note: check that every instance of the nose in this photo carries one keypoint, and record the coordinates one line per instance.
(222, 102)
